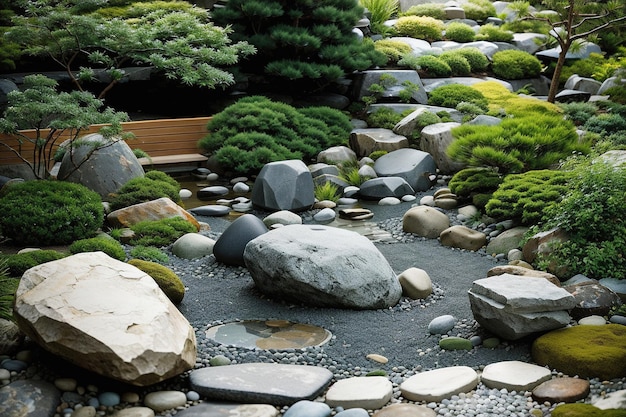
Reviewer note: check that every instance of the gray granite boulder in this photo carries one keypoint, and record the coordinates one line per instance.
(322, 266)
(592, 298)
(283, 185)
(381, 187)
(336, 155)
(366, 141)
(229, 247)
(513, 307)
(364, 80)
(104, 170)
(586, 84)
(413, 165)
(435, 140)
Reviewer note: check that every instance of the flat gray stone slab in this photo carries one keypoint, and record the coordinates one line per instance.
(260, 383)
(210, 409)
(514, 375)
(439, 383)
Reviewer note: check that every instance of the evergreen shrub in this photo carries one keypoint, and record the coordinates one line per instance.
(384, 117)
(256, 130)
(326, 191)
(108, 245)
(434, 10)
(459, 65)
(524, 197)
(459, 32)
(153, 185)
(518, 144)
(476, 184)
(451, 95)
(160, 233)
(479, 10)
(19, 263)
(605, 123)
(428, 65)
(513, 64)
(477, 60)
(493, 33)
(420, 27)
(49, 212)
(578, 112)
(394, 50)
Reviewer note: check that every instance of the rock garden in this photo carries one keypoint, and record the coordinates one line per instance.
(433, 224)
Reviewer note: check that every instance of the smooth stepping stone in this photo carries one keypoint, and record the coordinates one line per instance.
(215, 409)
(355, 214)
(557, 390)
(211, 210)
(212, 191)
(371, 392)
(264, 383)
(613, 400)
(514, 375)
(353, 412)
(306, 408)
(135, 412)
(435, 385)
(30, 398)
(405, 410)
(165, 400)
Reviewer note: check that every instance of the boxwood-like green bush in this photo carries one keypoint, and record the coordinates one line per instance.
(524, 197)
(256, 130)
(479, 10)
(420, 27)
(477, 60)
(459, 65)
(451, 95)
(393, 49)
(46, 212)
(428, 65)
(459, 32)
(160, 233)
(476, 184)
(153, 185)
(19, 263)
(434, 10)
(493, 33)
(108, 245)
(514, 64)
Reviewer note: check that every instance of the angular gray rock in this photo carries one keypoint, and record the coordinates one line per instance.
(365, 79)
(366, 141)
(284, 185)
(322, 266)
(435, 140)
(104, 170)
(379, 188)
(513, 307)
(413, 165)
(106, 316)
(262, 383)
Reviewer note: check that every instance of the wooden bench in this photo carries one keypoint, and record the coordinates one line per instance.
(171, 144)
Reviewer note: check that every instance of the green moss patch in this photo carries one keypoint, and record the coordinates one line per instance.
(586, 351)
(585, 410)
(165, 278)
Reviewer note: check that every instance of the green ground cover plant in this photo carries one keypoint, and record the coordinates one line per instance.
(479, 10)
(420, 27)
(477, 60)
(149, 253)
(427, 65)
(459, 65)
(8, 287)
(31, 214)
(108, 245)
(18, 263)
(451, 95)
(160, 233)
(153, 185)
(394, 50)
(459, 32)
(493, 33)
(515, 64)
(503, 102)
(434, 10)
(475, 184)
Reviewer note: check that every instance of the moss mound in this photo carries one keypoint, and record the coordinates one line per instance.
(586, 351)
(165, 278)
(585, 410)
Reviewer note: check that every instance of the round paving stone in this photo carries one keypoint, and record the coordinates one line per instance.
(566, 390)
(405, 410)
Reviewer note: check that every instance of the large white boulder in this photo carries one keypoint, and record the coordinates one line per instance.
(106, 316)
(322, 266)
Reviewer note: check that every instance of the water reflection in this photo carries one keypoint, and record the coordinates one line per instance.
(268, 334)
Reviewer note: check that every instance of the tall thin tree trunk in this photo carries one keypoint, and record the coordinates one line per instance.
(554, 84)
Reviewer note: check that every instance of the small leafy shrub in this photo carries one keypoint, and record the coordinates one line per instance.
(617, 94)
(514, 64)
(153, 185)
(469, 110)
(477, 60)
(108, 245)
(475, 184)
(420, 27)
(350, 174)
(384, 117)
(377, 154)
(426, 118)
(394, 50)
(591, 214)
(427, 65)
(459, 32)
(459, 65)
(578, 112)
(19, 263)
(452, 94)
(479, 10)
(519, 144)
(149, 253)
(434, 10)
(605, 123)
(256, 130)
(524, 197)
(170, 283)
(527, 26)
(326, 191)
(493, 33)
(48, 212)
(160, 232)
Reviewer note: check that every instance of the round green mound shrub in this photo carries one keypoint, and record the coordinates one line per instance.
(420, 27)
(18, 263)
(160, 233)
(513, 64)
(493, 33)
(108, 245)
(479, 10)
(451, 95)
(166, 279)
(393, 50)
(48, 212)
(153, 185)
(256, 130)
(434, 10)
(477, 60)
(432, 66)
(459, 32)
(477, 184)
(459, 65)
(585, 410)
(586, 351)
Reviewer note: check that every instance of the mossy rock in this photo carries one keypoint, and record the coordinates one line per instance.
(586, 351)
(585, 410)
(165, 278)
(455, 343)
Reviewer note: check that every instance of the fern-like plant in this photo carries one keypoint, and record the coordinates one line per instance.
(326, 191)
